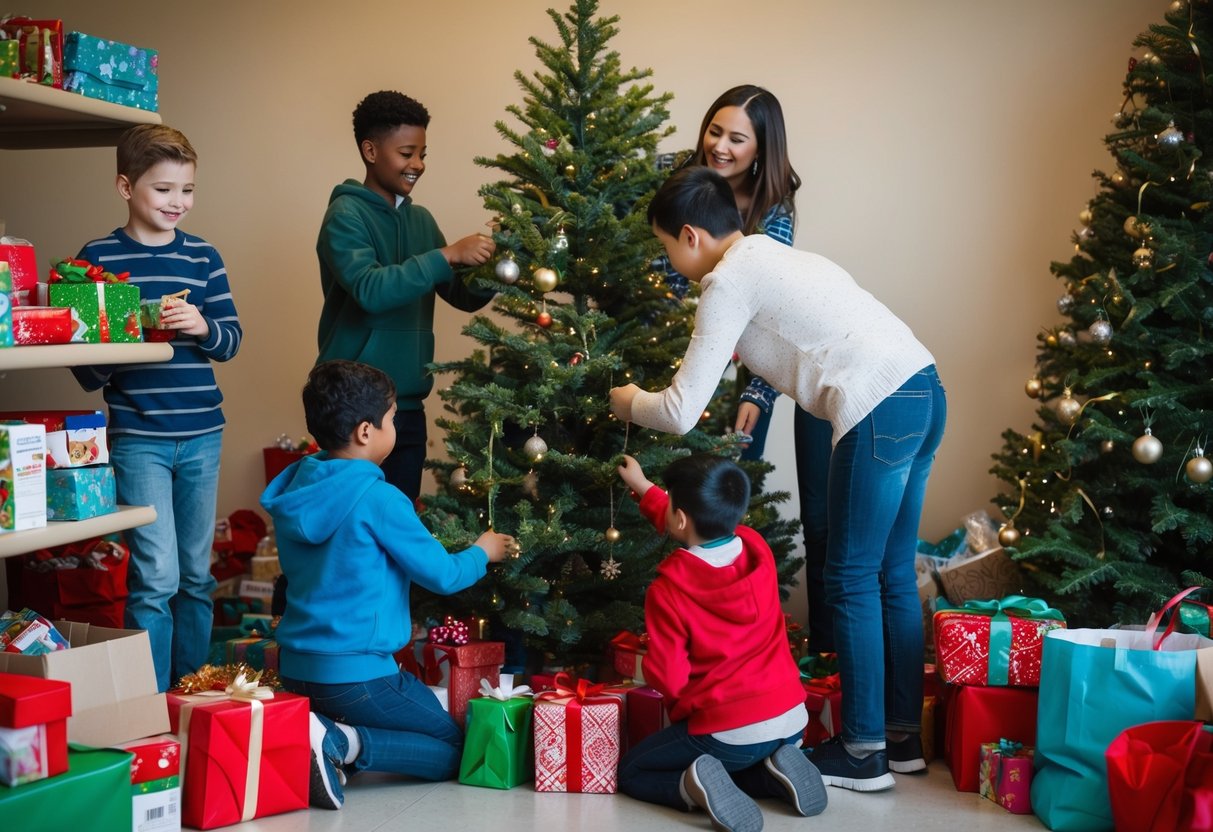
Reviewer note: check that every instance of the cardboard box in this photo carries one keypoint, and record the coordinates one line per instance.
(22, 477)
(73, 437)
(114, 696)
(982, 576)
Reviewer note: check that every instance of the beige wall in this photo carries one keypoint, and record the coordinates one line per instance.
(945, 147)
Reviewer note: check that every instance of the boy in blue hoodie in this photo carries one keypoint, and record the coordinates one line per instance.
(351, 545)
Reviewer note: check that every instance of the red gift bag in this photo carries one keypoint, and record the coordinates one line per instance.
(92, 591)
(1160, 777)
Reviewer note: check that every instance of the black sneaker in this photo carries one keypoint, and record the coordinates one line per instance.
(838, 768)
(800, 780)
(905, 756)
(712, 789)
(327, 779)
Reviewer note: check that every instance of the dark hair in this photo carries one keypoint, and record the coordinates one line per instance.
(341, 395)
(384, 111)
(142, 147)
(695, 196)
(776, 182)
(713, 491)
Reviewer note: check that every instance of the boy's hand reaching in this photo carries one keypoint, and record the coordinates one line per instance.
(498, 546)
(633, 476)
(181, 315)
(472, 250)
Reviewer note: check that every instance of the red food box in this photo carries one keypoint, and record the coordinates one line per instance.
(823, 700)
(646, 714)
(242, 758)
(979, 715)
(460, 667)
(983, 644)
(39, 707)
(41, 325)
(577, 738)
(23, 265)
(155, 783)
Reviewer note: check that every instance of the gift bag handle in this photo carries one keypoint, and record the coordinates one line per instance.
(1156, 618)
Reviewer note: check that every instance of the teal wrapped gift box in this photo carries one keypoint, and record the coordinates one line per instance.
(112, 71)
(80, 493)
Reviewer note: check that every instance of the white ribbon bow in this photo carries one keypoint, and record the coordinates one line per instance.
(505, 688)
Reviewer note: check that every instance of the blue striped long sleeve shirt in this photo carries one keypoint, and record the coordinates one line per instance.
(178, 398)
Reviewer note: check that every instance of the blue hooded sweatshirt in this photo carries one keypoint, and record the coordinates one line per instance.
(350, 546)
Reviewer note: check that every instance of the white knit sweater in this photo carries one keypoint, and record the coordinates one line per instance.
(799, 321)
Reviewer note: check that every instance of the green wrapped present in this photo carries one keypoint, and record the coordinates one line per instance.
(498, 746)
(111, 71)
(10, 58)
(94, 794)
(106, 305)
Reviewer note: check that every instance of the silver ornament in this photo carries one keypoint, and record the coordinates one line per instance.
(1101, 331)
(1108, 512)
(535, 448)
(561, 242)
(1143, 258)
(1066, 338)
(1199, 469)
(1068, 409)
(459, 477)
(1065, 303)
(507, 270)
(545, 279)
(1147, 449)
(1172, 136)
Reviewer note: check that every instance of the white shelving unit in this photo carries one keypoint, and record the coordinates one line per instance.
(38, 117)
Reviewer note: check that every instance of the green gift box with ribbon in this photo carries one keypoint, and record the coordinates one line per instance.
(498, 746)
(994, 642)
(94, 793)
(106, 304)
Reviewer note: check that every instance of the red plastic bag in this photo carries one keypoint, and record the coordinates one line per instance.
(1160, 778)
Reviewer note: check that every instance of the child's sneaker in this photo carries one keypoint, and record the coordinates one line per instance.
(325, 787)
(839, 768)
(905, 756)
(712, 789)
(799, 778)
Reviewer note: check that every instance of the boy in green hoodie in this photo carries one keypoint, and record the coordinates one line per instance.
(382, 261)
(351, 546)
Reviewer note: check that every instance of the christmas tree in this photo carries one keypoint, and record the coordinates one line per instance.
(533, 446)
(1108, 506)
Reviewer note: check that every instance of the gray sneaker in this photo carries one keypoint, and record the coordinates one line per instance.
(713, 790)
(799, 778)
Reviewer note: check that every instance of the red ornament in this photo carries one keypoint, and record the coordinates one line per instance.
(551, 144)
(1132, 64)
(543, 319)
(577, 358)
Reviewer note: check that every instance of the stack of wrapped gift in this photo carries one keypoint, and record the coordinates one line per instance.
(453, 660)
(33, 728)
(111, 71)
(244, 747)
(39, 49)
(989, 653)
(578, 731)
(255, 646)
(498, 743)
(155, 783)
(106, 304)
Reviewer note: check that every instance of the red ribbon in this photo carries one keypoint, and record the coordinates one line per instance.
(432, 671)
(627, 640)
(824, 685)
(584, 693)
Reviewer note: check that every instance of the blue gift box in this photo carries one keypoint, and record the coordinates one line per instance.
(80, 493)
(112, 71)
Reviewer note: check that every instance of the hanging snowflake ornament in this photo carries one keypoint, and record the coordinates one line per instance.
(611, 568)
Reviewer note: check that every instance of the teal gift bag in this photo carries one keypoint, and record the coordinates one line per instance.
(1093, 685)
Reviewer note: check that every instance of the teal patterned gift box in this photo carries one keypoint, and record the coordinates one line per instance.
(112, 71)
(80, 493)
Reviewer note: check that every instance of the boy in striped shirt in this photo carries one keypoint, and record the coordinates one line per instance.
(165, 421)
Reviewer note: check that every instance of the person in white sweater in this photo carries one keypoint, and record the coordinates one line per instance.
(801, 322)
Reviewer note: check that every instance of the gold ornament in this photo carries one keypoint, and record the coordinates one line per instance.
(1119, 179)
(612, 535)
(535, 448)
(1008, 535)
(1147, 449)
(1143, 258)
(459, 477)
(1085, 216)
(1068, 408)
(1051, 339)
(1199, 469)
(545, 279)
(1033, 388)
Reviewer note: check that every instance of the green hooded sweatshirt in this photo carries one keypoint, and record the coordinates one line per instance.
(380, 268)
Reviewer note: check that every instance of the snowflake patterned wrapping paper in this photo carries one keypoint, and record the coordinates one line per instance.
(111, 71)
(577, 736)
(996, 642)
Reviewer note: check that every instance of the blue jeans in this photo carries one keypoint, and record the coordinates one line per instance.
(814, 441)
(170, 580)
(878, 479)
(399, 720)
(652, 771)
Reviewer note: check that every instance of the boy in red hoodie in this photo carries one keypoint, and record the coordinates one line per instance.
(718, 653)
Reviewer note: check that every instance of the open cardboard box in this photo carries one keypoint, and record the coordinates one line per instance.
(113, 681)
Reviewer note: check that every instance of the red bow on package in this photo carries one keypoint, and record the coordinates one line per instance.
(451, 631)
(82, 271)
(627, 640)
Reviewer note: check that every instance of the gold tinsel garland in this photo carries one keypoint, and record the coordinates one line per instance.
(219, 677)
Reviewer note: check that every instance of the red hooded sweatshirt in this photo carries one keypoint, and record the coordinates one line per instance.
(718, 648)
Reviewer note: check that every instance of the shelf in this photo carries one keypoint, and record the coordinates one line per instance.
(36, 116)
(81, 355)
(69, 531)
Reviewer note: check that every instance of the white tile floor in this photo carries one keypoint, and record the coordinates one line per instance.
(375, 802)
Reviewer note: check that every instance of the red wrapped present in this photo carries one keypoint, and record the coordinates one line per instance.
(978, 715)
(244, 753)
(646, 714)
(22, 266)
(997, 642)
(823, 700)
(460, 667)
(40, 55)
(577, 737)
(42, 325)
(1005, 775)
(155, 782)
(627, 652)
(33, 728)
